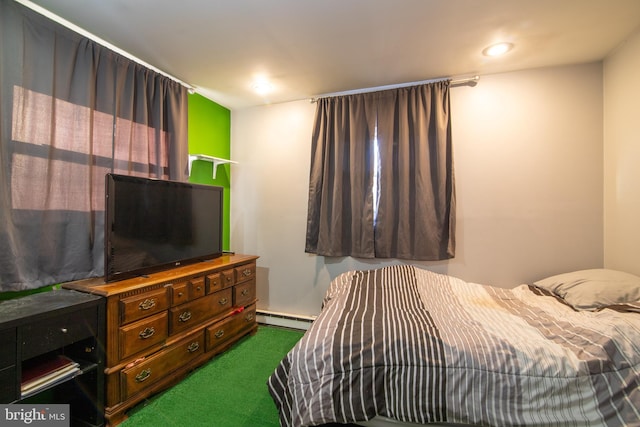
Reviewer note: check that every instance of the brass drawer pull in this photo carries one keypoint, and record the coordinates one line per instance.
(246, 272)
(180, 294)
(146, 333)
(147, 304)
(194, 346)
(185, 316)
(198, 288)
(223, 301)
(142, 376)
(220, 333)
(245, 292)
(249, 317)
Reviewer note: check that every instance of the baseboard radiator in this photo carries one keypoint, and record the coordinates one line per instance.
(287, 320)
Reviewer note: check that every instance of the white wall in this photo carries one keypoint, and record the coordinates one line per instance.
(528, 162)
(622, 157)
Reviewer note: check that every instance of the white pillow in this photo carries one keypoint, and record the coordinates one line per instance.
(593, 289)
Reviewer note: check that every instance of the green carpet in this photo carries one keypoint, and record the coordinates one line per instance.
(228, 391)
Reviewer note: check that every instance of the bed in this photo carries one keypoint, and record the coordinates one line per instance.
(409, 345)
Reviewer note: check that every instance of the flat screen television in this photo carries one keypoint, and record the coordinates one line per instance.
(155, 224)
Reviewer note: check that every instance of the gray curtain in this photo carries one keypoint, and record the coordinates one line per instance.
(70, 112)
(381, 181)
(340, 214)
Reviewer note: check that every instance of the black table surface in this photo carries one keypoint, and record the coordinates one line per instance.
(16, 311)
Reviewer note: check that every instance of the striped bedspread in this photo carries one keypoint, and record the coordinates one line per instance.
(420, 347)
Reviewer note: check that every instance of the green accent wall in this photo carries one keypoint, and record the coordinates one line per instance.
(210, 134)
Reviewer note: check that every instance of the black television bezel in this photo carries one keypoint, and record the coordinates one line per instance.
(110, 182)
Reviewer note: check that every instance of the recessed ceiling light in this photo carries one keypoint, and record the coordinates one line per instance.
(262, 86)
(497, 49)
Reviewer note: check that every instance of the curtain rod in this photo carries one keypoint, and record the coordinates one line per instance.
(466, 81)
(42, 11)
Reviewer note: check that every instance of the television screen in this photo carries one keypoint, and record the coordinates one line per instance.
(155, 224)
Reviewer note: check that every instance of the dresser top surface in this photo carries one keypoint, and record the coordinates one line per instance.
(99, 287)
(21, 310)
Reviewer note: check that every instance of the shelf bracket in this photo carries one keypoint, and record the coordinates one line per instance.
(217, 161)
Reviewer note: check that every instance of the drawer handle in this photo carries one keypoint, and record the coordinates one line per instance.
(185, 316)
(246, 272)
(245, 292)
(180, 294)
(147, 304)
(142, 376)
(223, 301)
(249, 317)
(64, 330)
(198, 288)
(194, 346)
(220, 333)
(146, 333)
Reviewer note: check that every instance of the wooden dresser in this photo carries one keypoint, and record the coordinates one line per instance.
(162, 326)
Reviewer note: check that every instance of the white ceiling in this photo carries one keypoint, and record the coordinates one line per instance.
(314, 47)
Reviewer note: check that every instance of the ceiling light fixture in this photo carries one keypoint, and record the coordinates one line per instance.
(497, 49)
(262, 86)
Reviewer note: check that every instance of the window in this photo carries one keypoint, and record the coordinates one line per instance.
(62, 152)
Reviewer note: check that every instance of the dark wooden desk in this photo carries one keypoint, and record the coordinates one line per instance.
(38, 328)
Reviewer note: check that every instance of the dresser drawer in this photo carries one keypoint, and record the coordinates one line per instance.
(214, 282)
(197, 288)
(139, 306)
(228, 278)
(222, 301)
(145, 374)
(245, 273)
(244, 293)
(142, 334)
(58, 331)
(179, 293)
(192, 313)
(221, 332)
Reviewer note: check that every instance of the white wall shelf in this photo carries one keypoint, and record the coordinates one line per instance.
(217, 161)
